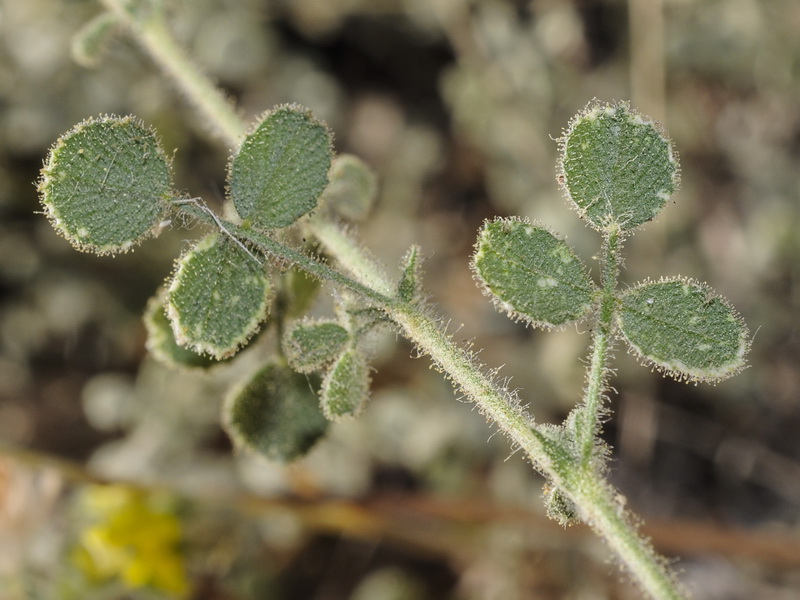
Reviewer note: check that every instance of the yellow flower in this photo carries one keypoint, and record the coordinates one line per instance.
(132, 538)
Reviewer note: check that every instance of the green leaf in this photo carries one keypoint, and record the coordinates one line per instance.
(218, 297)
(299, 292)
(682, 327)
(310, 345)
(409, 287)
(617, 166)
(161, 341)
(276, 413)
(345, 388)
(106, 184)
(352, 188)
(281, 168)
(531, 274)
(91, 41)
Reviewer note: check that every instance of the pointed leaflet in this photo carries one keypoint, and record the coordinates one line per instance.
(218, 297)
(281, 168)
(409, 286)
(617, 166)
(106, 184)
(276, 413)
(531, 274)
(682, 327)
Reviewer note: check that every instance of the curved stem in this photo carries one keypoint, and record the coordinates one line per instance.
(153, 34)
(596, 500)
(593, 497)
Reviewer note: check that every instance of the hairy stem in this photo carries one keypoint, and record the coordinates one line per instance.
(596, 500)
(587, 415)
(602, 509)
(593, 497)
(151, 31)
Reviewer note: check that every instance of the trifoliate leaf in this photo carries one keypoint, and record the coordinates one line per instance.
(276, 413)
(345, 388)
(161, 339)
(682, 327)
(106, 184)
(531, 274)
(617, 166)
(310, 345)
(352, 188)
(281, 168)
(218, 297)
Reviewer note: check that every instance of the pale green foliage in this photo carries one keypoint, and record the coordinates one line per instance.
(619, 169)
(218, 297)
(617, 166)
(89, 44)
(311, 345)
(409, 288)
(531, 274)
(682, 327)
(106, 184)
(281, 168)
(299, 292)
(352, 188)
(161, 343)
(275, 413)
(345, 387)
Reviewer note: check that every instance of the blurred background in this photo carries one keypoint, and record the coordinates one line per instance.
(457, 106)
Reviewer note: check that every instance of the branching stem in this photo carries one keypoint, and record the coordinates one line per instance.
(582, 482)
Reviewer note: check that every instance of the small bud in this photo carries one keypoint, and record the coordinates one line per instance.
(559, 507)
(408, 289)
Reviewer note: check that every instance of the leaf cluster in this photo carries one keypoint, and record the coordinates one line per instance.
(618, 170)
(107, 185)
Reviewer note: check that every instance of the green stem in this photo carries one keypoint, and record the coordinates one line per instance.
(594, 498)
(588, 415)
(495, 401)
(151, 31)
(602, 509)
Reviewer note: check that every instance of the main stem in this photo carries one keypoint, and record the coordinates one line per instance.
(155, 37)
(593, 496)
